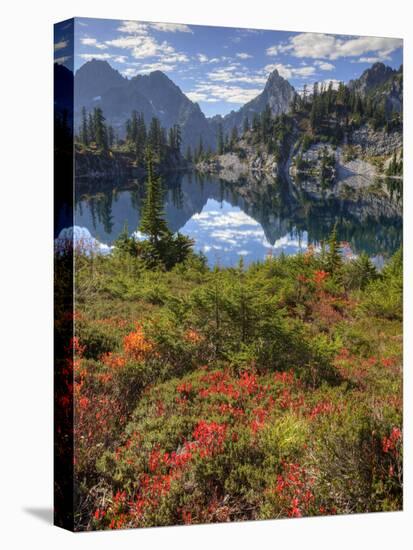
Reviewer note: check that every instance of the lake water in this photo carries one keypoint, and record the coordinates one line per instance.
(248, 218)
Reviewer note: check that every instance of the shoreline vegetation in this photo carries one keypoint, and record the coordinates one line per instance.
(229, 394)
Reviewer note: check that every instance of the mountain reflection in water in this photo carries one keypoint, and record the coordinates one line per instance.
(248, 218)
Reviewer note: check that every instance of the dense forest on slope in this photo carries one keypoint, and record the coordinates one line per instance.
(324, 114)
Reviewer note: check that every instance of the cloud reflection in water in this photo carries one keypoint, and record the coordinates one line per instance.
(224, 233)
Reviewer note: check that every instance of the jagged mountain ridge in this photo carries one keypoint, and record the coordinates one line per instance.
(98, 84)
(278, 94)
(155, 94)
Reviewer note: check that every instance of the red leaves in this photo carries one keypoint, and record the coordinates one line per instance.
(390, 444)
(221, 383)
(286, 377)
(320, 276)
(136, 345)
(113, 360)
(210, 437)
(294, 488)
(184, 388)
(248, 382)
(193, 336)
(322, 408)
(154, 460)
(218, 382)
(260, 416)
(186, 517)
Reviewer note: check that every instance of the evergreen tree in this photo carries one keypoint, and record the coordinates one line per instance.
(91, 128)
(256, 123)
(305, 93)
(174, 138)
(329, 97)
(314, 116)
(84, 137)
(333, 255)
(220, 139)
(152, 221)
(100, 129)
(294, 104)
(134, 127)
(365, 271)
(200, 152)
(140, 141)
(155, 138)
(246, 125)
(111, 136)
(315, 91)
(188, 155)
(128, 130)
(266, 123)
(234, 137)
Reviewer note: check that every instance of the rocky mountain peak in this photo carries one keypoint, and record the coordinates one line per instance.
(273, 79)
(277, 93)
(374, 76)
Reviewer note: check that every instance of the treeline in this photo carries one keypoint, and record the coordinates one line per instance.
(161, 142)
(198, 153)
(331, 111)
(94, 131)
(323, 114)
(264, 128)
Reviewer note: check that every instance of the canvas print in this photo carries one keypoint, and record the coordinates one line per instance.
(228, 274)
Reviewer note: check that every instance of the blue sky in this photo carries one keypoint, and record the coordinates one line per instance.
(221, 68)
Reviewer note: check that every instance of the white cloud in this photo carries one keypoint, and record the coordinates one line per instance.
(138, 27)
(199, 96)
(327, 46)
(288, 71)
(273, 50)
(324, 65)
(171, 27)
(234, 73)
(61, 60)
(142, 45)
(243, 55)
(149, 67)
(175, 58)
(133, 27)
(93, 42)
(373, 59)
(202, 58)
(103, 57)
(216, 92)
(61, 45)
(129, 72)
(277, 49)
